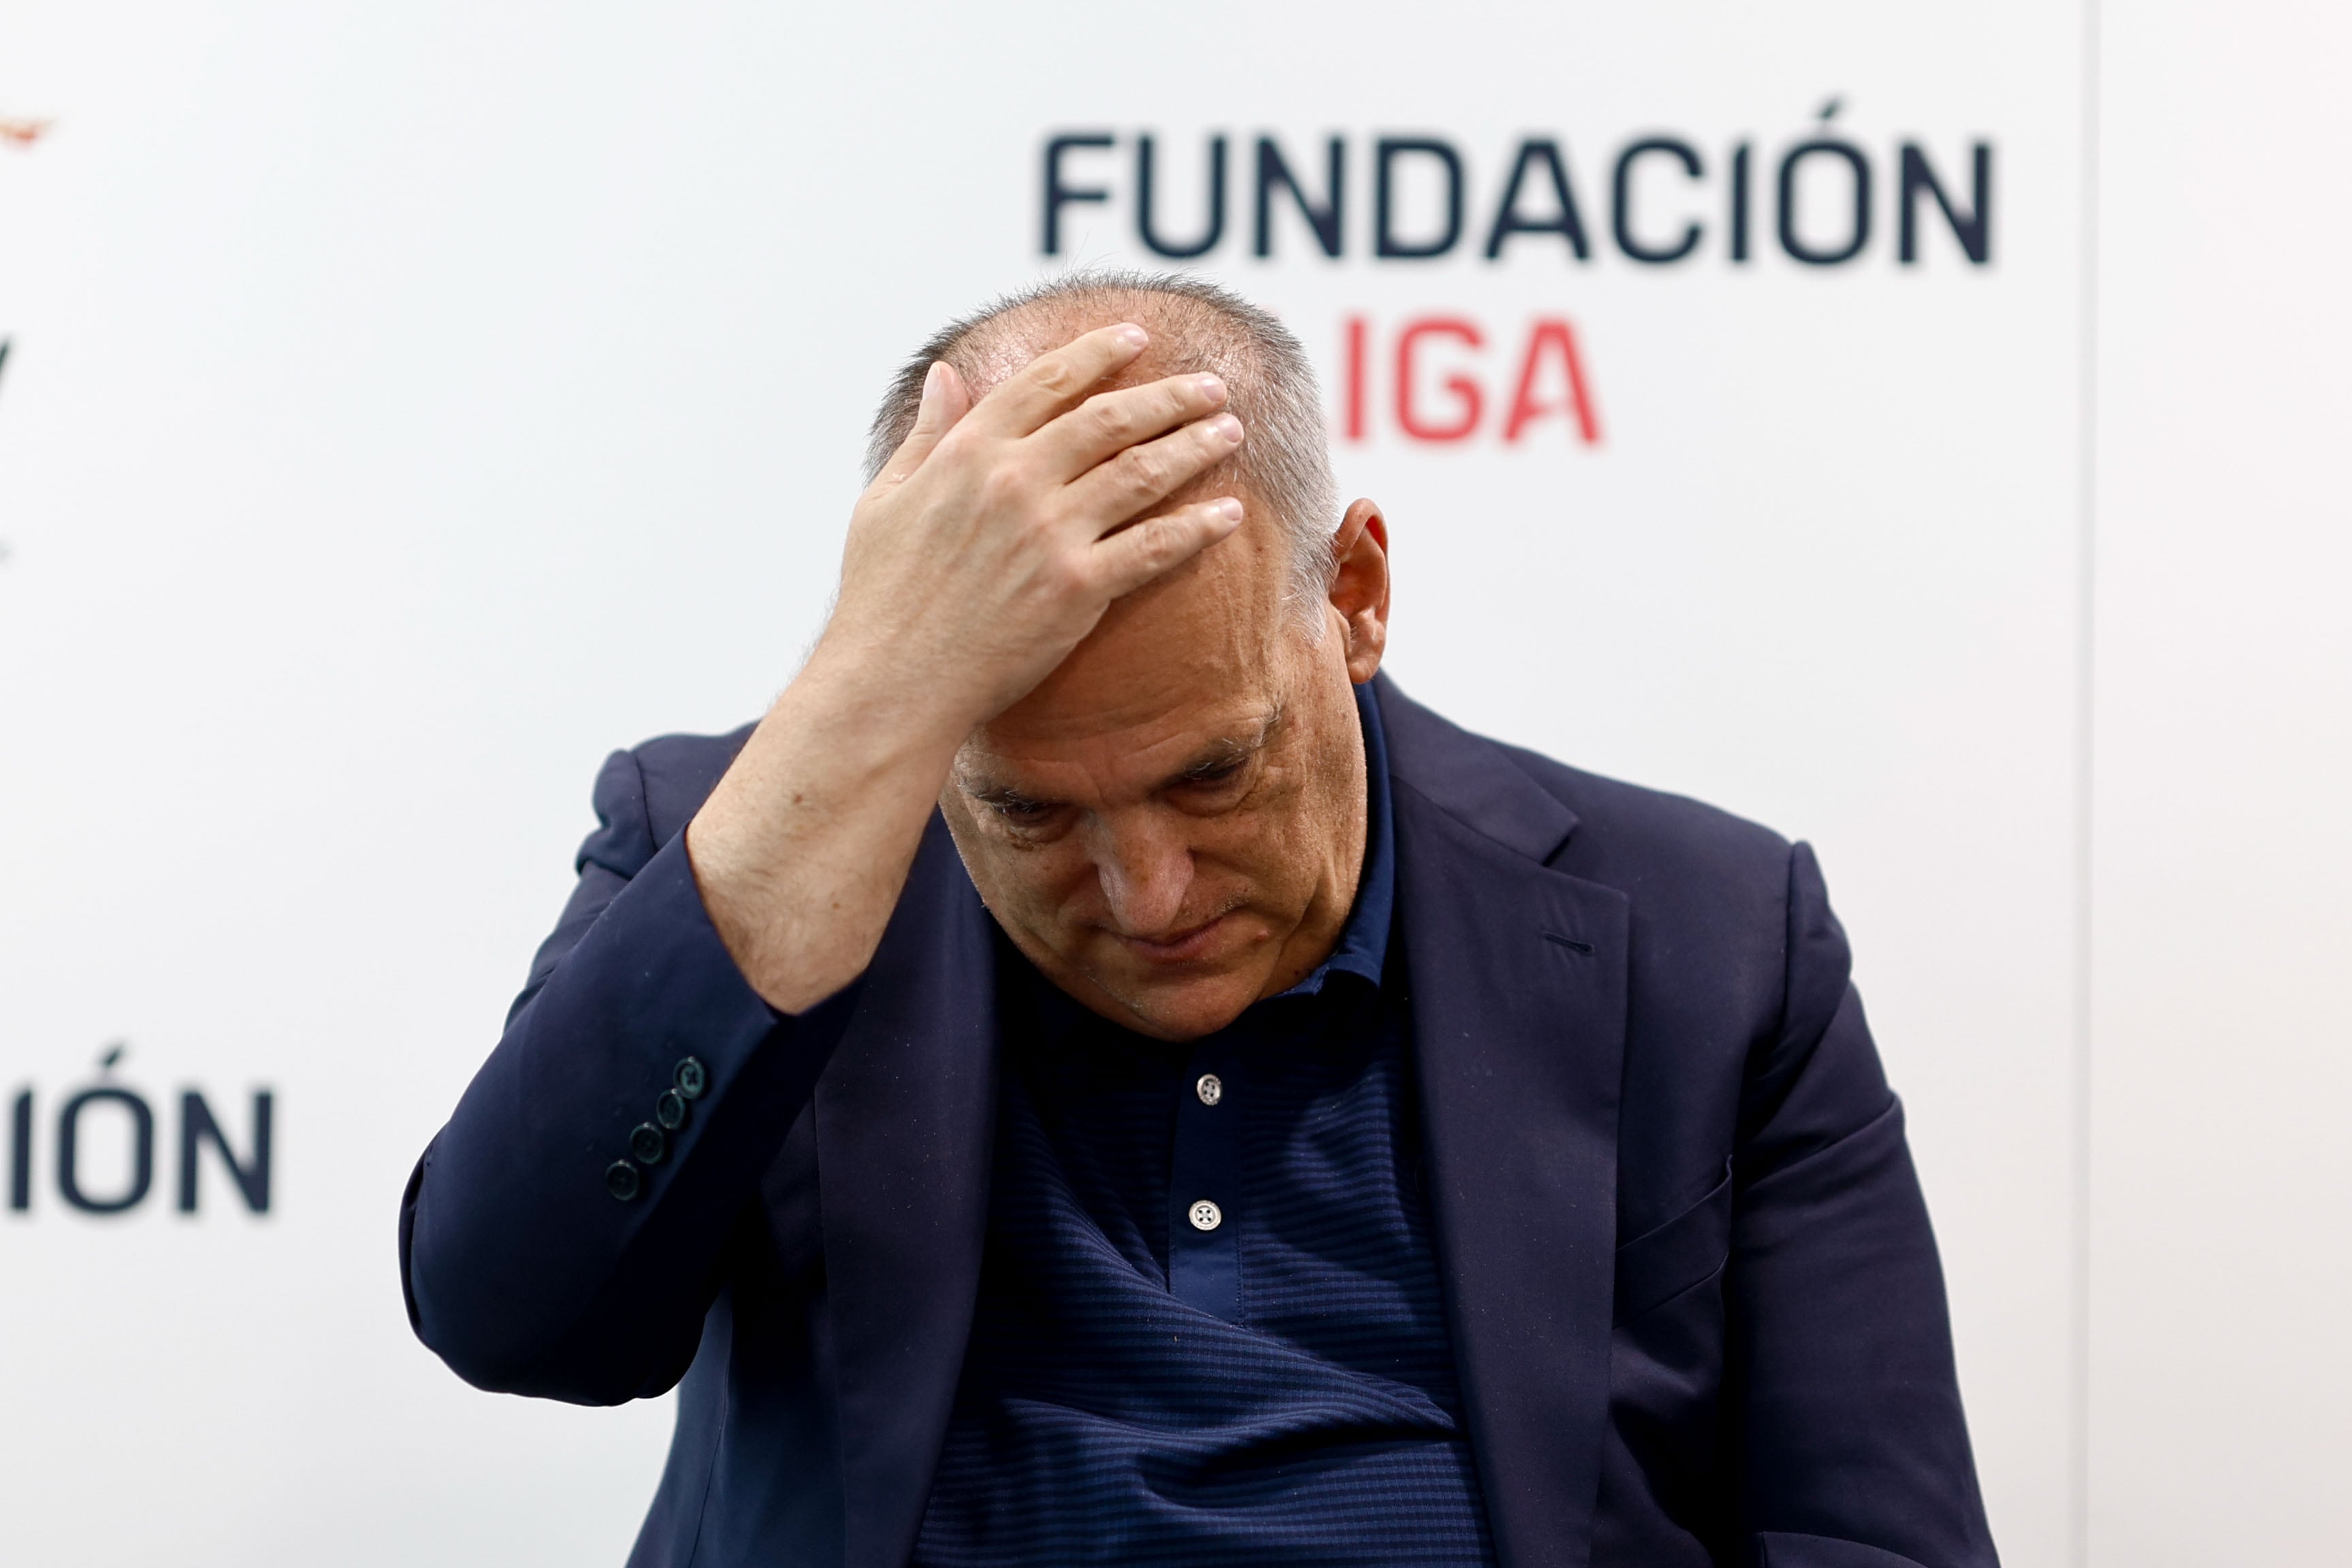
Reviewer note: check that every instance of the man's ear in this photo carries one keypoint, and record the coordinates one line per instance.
(1360, 587)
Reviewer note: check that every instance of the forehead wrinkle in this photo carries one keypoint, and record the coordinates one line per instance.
(1194, 651)
(1237, 581)
(981, 772)
(1234, 747)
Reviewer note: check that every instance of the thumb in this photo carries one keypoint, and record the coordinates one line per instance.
(945, 401)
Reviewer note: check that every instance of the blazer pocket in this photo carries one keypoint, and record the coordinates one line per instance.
(1667, 1260)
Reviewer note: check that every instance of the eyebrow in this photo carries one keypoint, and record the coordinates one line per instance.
(1219, 755)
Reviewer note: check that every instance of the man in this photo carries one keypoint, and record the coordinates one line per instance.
(1098, 1075)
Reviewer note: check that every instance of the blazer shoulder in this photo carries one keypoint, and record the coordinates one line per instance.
(1603, 829)
(1633, 837)
(678, 773)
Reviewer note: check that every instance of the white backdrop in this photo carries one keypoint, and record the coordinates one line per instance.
(405, 404)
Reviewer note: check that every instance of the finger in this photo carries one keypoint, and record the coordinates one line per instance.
(1145, 475)
(1144, 550)
(945, 401)
(1109, 422)
(1057, 381)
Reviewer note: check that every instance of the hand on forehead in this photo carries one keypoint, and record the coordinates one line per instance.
(1185, 339)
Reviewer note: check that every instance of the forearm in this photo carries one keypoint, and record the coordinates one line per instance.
(802, 851)
(528, 1267)
(984, 551)
(565, 1232)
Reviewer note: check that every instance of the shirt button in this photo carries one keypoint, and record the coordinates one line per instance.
(1205, 1216)
(1211, 1089)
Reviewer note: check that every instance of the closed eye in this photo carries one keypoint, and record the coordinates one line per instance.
(1019, 809)
(1212, 786)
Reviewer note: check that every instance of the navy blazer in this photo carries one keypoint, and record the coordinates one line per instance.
(1694, 1299)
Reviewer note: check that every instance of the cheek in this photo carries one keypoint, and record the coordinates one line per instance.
(1268, 840)
(1029, 886)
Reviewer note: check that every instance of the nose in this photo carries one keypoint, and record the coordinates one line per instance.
(1144, 868)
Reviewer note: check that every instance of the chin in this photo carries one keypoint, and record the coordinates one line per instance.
(1187, 1009)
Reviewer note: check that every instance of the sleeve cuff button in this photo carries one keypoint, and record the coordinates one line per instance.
(622, 1180)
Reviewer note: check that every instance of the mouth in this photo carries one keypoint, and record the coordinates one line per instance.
(1183, 947)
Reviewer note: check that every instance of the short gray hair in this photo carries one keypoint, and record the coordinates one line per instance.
(1285, 463)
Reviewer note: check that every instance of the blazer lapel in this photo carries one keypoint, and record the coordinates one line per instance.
(904, 1118)
(1519, 982)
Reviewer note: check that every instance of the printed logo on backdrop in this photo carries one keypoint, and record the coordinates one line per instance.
(106, 1148)
(1820, 202)
(21, 130)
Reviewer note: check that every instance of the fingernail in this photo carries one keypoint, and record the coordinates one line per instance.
(931, 378)
(1132, 335)
(1228, 509)
(1212, 388)
(1226, 428)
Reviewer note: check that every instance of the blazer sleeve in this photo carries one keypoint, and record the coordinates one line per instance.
(1853, 1448)
(522, 1268)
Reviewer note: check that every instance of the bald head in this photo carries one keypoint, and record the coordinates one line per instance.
(1282, 471)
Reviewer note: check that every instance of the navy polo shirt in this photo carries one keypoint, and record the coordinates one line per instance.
(1209, 1327)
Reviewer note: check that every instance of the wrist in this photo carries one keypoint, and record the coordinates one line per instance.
(865, 702)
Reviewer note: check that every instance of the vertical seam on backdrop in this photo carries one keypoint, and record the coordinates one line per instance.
(2078, 1457)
